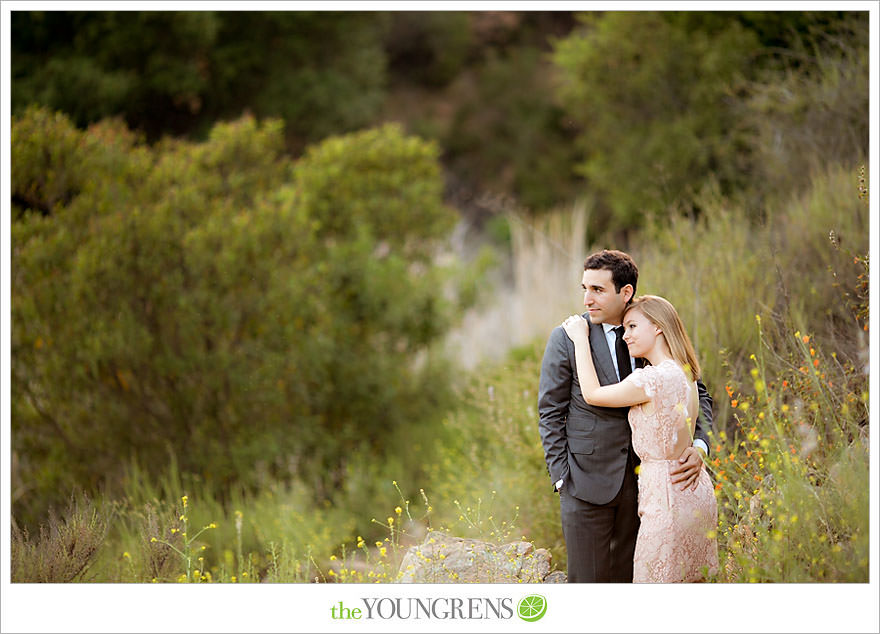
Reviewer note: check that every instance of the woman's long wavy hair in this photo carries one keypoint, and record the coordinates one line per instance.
(663, 315)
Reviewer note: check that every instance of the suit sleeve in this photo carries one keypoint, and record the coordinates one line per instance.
(705, 418)
(554, 394)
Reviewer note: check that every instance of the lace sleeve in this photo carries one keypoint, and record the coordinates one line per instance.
(644, 378)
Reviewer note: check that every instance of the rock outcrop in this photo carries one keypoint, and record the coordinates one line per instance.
(443, 558)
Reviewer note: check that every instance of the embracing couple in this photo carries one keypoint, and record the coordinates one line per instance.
(623, 417)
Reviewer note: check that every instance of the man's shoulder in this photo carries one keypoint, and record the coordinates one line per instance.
(557, 337)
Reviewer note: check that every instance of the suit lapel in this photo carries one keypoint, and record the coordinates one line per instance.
(601, 355)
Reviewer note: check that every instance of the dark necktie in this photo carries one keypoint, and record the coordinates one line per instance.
(623, 366)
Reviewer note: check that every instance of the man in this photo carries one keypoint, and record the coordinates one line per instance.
(588, 449)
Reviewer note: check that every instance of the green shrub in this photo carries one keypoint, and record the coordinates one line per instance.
(650, 97)
(220, 304)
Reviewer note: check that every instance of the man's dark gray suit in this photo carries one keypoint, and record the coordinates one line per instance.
(590, 449)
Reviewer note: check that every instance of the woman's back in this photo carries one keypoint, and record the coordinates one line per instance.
(662, 428)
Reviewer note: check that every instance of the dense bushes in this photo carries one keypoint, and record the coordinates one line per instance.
(220, 304)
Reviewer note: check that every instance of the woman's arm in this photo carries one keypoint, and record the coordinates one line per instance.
(621, 394)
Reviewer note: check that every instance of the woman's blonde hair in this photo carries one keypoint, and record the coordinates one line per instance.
(663, 315)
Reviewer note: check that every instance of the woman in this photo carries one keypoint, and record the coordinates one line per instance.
(676, 535)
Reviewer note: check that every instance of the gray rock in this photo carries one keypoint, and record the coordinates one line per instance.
(443, 558)
(557, 576)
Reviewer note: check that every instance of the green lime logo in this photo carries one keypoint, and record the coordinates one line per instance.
(532, 607)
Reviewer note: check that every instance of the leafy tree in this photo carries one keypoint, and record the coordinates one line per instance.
(674, 104)
(219, 303)
(652, 99)
(509, 135)
(179, 71)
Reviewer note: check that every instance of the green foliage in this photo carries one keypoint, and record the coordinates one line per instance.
(180, 71)
(651, 108)
(67, 546)
(375, 181)
(508, 134)
(235, 535)
(674, 104)
(217, 303)
(649, 97)
(323, 72)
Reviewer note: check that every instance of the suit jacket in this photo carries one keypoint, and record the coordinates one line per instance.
(586, 445)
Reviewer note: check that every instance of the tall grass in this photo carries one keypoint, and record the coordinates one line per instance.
(541, 281)
(66, 547)
(721, 270)
(492, 457)
(792, 472)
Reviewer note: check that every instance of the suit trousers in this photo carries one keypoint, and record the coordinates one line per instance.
(600, 539)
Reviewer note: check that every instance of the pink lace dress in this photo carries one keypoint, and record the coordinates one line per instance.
(676, 539)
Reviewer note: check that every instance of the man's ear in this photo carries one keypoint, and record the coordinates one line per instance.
(628, 292)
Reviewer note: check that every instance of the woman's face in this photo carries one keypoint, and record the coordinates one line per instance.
(639, 333)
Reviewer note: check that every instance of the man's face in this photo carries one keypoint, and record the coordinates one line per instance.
(603, 302)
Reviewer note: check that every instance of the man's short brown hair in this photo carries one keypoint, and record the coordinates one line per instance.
(623, 269)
